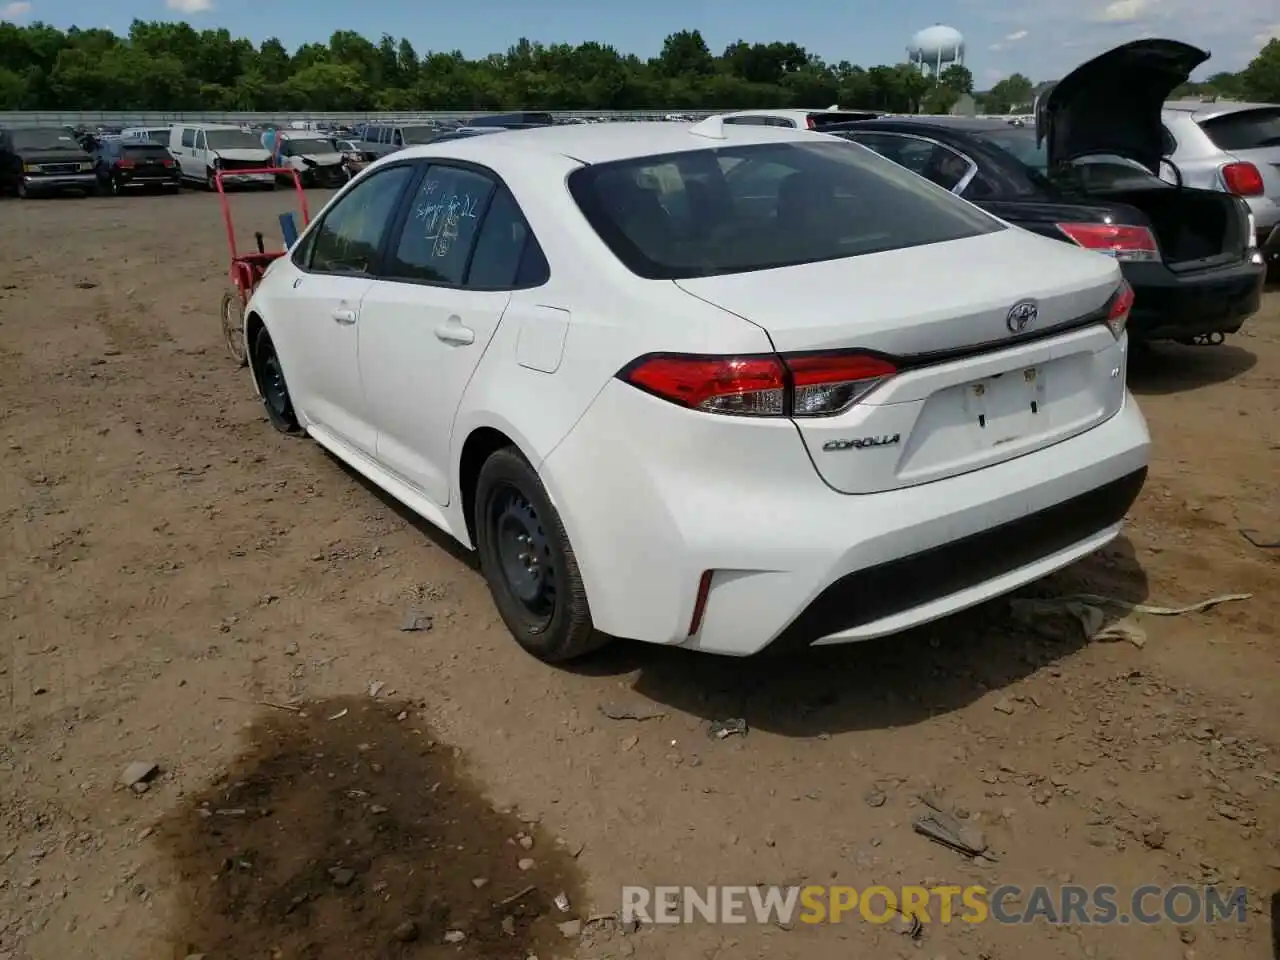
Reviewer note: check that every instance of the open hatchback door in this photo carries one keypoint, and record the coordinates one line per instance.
(1111, 104)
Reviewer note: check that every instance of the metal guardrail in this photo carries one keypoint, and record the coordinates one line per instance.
(117, 118)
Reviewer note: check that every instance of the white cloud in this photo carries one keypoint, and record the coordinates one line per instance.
(1261, 39)
(1126, 11)
(190, 6)
(15, 11)
(1016, 36)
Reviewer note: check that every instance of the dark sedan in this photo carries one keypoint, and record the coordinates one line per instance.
(1186, 252)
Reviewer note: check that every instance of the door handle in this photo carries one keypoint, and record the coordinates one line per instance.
(345, 317)
(455, 333)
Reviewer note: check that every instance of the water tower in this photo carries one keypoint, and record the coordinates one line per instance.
(936, 48)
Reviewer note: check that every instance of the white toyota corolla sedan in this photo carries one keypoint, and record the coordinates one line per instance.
(711, 386)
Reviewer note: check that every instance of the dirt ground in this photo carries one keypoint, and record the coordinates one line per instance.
(187, 591)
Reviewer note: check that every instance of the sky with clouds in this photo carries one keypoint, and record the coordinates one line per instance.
(1039, 39)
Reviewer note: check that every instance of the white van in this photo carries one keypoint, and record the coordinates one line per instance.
(201, 149)
(316, 158)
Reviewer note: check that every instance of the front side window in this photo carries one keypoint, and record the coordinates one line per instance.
(763, 206)
(441, 226)
(348, 238)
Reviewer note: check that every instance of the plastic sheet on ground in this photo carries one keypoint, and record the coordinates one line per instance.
(1091, 611)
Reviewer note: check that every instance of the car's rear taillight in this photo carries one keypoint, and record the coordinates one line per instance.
(1243, 179)
(798, 385)
(1125, 242)
(1119, 308)
(808, 122)
(125, 164)
(166, 162)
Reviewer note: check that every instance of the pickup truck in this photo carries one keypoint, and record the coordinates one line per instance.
(37, 161)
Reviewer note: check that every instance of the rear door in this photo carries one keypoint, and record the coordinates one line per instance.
(426, 322)
(1252, 136)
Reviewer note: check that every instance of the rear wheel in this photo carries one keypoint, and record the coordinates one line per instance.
(275, 392)
(529, 563)
(115, 186)
(232, 316)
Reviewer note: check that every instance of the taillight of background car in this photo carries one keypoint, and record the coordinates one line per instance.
(1125, 242)
(1243, 179)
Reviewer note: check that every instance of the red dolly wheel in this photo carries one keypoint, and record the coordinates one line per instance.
(232, 314)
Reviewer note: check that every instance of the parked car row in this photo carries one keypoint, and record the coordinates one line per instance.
(42, 161)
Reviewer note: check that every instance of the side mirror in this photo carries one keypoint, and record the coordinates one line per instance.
(1169, 172)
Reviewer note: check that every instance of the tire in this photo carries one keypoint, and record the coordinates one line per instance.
(210, 180)
(231, 314)
(22, 191)
(528, 562)
(275, 392)
(116, 188)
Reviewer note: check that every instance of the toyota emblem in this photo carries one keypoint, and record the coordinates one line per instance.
(1021, 316)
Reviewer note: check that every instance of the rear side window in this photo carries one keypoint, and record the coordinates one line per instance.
(441, 227)
(507, 255)
(1245, 130)
(757, 207)
(188, 137)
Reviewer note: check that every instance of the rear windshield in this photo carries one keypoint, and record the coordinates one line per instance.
(232, 140)
(819, 120)
(146, 152)
(1021, 142)
(1246, 130)
(297, 146)
(739, 209)
(418, 135)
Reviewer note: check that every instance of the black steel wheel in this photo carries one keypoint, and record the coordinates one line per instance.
(271, 383)
(529, 563)
(231, 314)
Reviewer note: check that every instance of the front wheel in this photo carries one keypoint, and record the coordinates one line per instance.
(232, 315)
(275, 392)
(529, 563)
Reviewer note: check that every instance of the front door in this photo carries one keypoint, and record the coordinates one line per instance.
(429, 318)
(322, 311)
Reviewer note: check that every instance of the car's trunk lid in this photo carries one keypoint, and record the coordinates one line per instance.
(970, 393)
(1111, 104)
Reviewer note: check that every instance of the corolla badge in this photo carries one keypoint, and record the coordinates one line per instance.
(1021, 316)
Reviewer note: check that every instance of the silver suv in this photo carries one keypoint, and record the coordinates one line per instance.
(1233, 147)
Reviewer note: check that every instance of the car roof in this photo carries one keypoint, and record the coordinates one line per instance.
(952, 123)
(592, 143)
(1207, 110)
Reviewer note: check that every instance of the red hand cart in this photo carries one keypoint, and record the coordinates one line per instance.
(247, 268)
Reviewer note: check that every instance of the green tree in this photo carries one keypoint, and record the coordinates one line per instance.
(171, 66)
(1260, 80)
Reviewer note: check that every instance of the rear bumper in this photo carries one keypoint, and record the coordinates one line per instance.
(60, 183)
(792, 559)
(145, 181)
(1171, 306)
